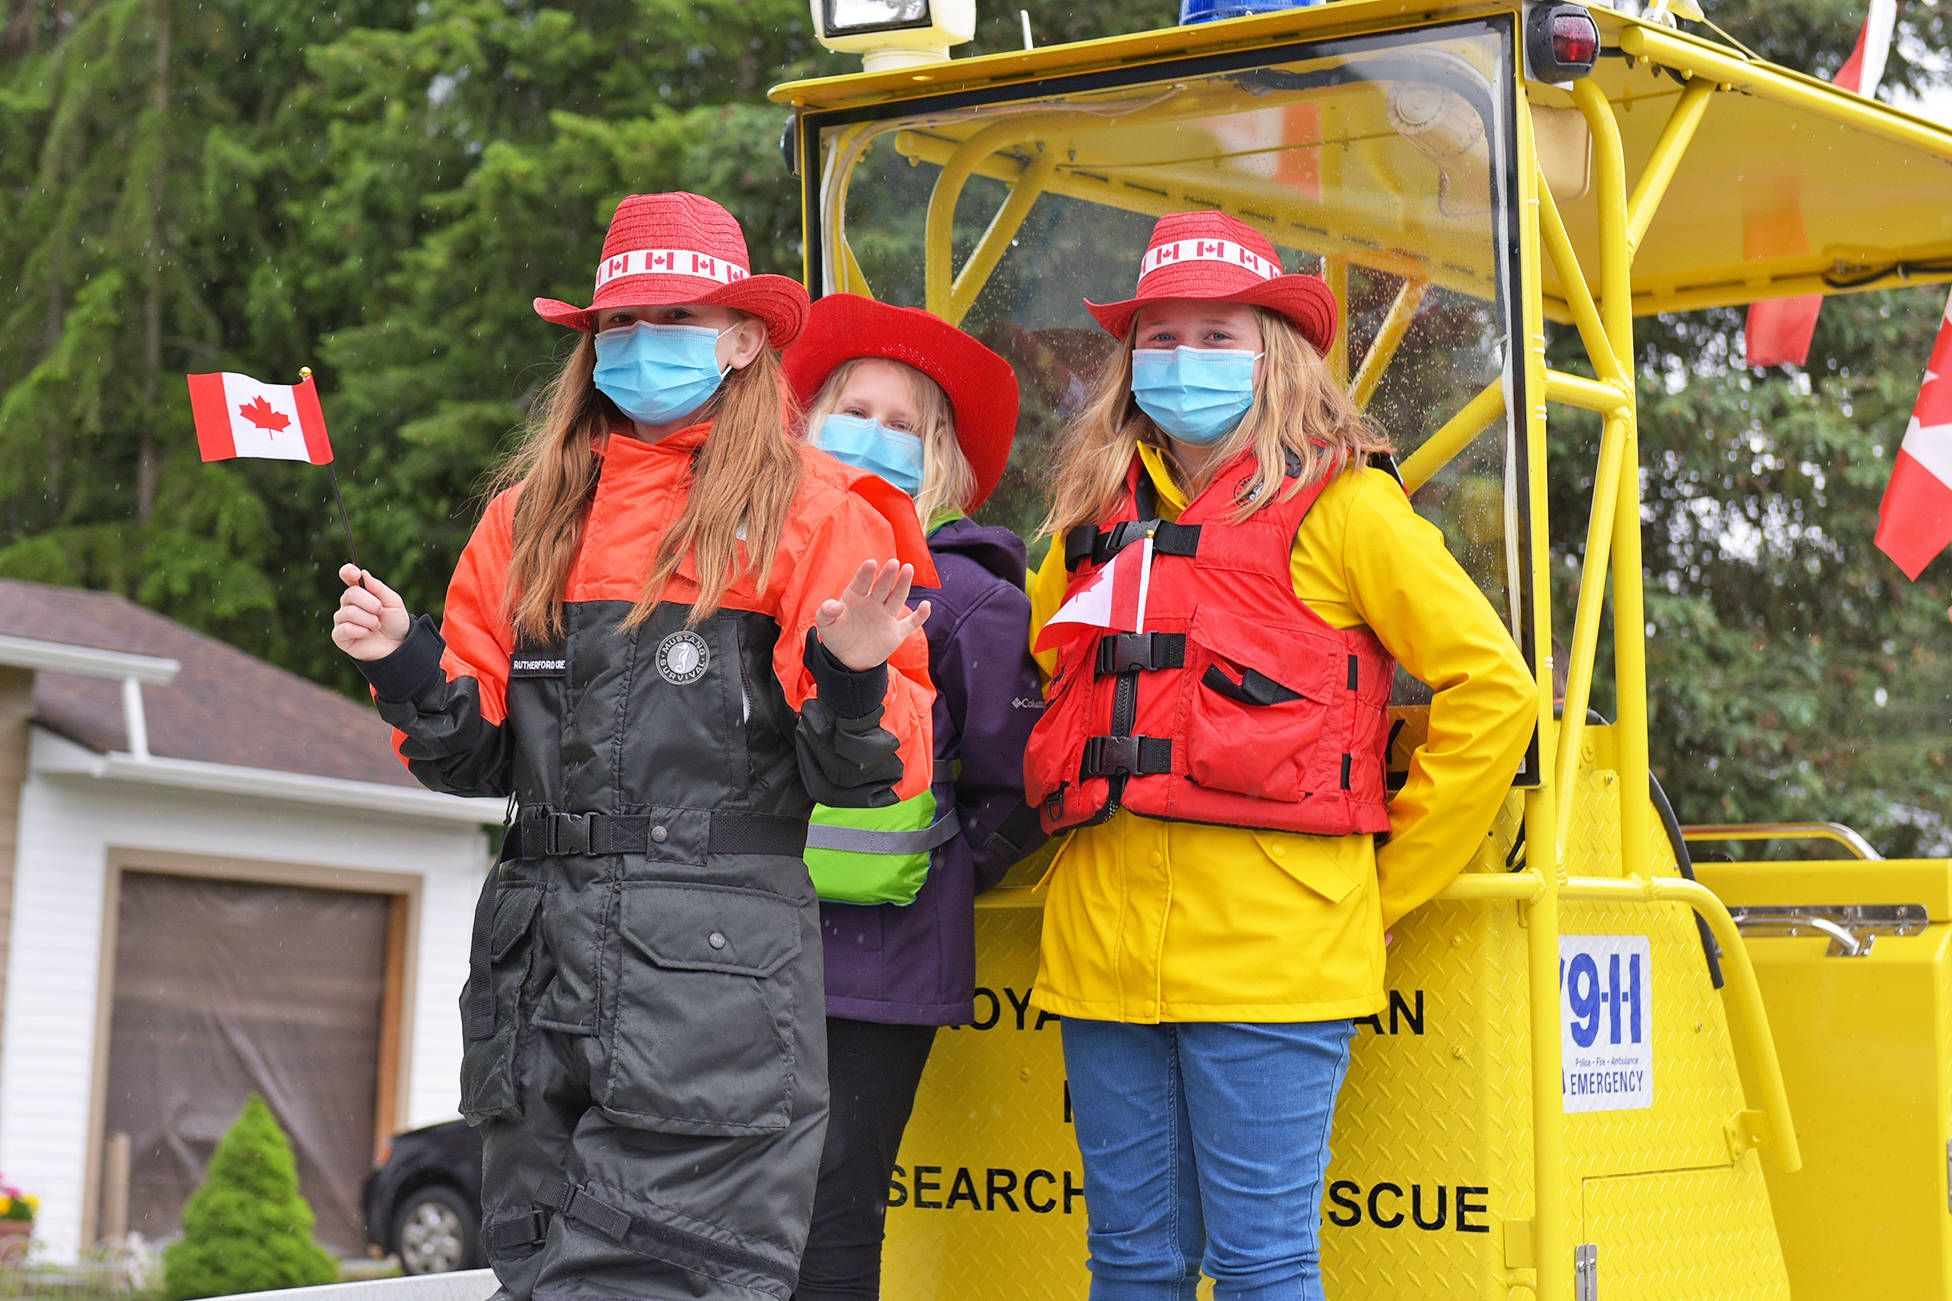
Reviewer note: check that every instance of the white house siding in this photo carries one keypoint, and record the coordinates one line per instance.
(68, 825)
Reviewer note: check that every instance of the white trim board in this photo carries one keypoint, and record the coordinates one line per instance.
(55, 756)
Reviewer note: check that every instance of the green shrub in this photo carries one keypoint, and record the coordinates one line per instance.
(246, 1229)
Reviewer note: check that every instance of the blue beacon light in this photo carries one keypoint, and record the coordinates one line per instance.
(1212, 11)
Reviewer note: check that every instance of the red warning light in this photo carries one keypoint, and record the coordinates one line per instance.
(1561, 42)
(1575, 40)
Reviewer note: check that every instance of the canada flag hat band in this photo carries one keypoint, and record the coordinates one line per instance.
(667, 249)
(1178, 251)
(671, 261)
(1211, 256)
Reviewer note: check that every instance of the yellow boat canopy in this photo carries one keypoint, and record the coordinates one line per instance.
(1783, 184)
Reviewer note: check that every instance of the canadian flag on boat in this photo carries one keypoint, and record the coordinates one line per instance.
(1112, 599)
(1779, 330)
(1914, 522)
(240, 416)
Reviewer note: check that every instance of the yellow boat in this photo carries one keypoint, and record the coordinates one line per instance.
(1460, 173)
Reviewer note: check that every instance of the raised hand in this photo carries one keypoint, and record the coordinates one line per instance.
(371, 621)
(862, 627)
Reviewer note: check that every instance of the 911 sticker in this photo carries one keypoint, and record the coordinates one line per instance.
(1606, 1022)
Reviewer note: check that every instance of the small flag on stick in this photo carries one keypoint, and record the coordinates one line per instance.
(240, 416)
(237, 416)
(1113, 599)
(1914, 521)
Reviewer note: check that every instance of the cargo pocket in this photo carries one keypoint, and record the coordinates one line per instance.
(1252, 718)
(701, 1036)
(491, 1015)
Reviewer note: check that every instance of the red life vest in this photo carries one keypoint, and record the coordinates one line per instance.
(1238, 705)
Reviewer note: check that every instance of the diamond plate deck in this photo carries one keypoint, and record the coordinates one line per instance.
(1682, 1235)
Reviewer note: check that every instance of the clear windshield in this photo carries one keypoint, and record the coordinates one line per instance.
(1382, 164)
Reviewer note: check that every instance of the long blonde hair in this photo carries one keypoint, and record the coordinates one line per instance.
(742, 484)
(1299, 412)
(948, 481)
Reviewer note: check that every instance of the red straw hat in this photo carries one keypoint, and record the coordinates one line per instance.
(1216, 257)
(981, 386)
(681, 248)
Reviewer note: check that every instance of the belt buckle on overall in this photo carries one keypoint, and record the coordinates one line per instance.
(569, 833)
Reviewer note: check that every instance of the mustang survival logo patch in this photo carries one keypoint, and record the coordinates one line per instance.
(682, 658)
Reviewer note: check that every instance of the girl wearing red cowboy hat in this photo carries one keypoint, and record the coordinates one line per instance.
(1217, 916)
(662, 645)
(908, 397)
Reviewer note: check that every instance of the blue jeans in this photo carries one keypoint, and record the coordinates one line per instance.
(1205, 1145)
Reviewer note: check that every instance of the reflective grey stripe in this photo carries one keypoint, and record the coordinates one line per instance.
(862, 841)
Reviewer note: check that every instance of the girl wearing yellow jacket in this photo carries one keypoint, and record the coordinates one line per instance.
(1217, 915)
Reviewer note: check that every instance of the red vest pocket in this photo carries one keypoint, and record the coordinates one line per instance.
(1255, 711)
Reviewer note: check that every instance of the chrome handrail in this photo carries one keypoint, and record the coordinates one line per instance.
(1835, 832)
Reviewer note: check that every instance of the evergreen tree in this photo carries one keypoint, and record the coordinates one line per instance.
(246, 1228)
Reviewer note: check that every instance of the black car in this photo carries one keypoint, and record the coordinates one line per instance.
(423, 1200)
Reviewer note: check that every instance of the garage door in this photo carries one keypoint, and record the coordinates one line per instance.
(226, 987)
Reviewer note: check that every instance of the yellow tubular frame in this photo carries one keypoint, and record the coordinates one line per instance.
(939, 233)
(1667, 155)
(1629, 617)
(1455, 435)
(1613, 548)
(996, 238)
(1335, 270)
(1389, 336)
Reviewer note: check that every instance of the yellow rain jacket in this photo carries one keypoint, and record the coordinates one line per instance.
(1150, 921)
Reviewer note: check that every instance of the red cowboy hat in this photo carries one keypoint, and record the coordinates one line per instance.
(981, 386)
(681, 248)
(1216, 257)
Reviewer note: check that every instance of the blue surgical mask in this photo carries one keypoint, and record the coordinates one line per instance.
(868, 445)
(657, 374)
(1197, 395)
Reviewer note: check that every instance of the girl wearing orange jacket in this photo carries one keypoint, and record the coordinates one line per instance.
(669, 635)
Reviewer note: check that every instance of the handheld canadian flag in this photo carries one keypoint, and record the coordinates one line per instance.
(1914, 521)
(1778, 330)
(1112, 599)
(236, 416)
(240, 416)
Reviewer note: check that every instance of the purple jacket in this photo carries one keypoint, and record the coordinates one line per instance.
(915, 964)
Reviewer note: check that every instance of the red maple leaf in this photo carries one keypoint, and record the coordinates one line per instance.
(264, 415)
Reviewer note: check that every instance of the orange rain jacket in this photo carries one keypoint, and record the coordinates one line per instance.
(652, 908)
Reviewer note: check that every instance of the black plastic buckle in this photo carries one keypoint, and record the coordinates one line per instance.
(1134, 652)
(569, 833)
(1120, 536)
(1110, 756)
